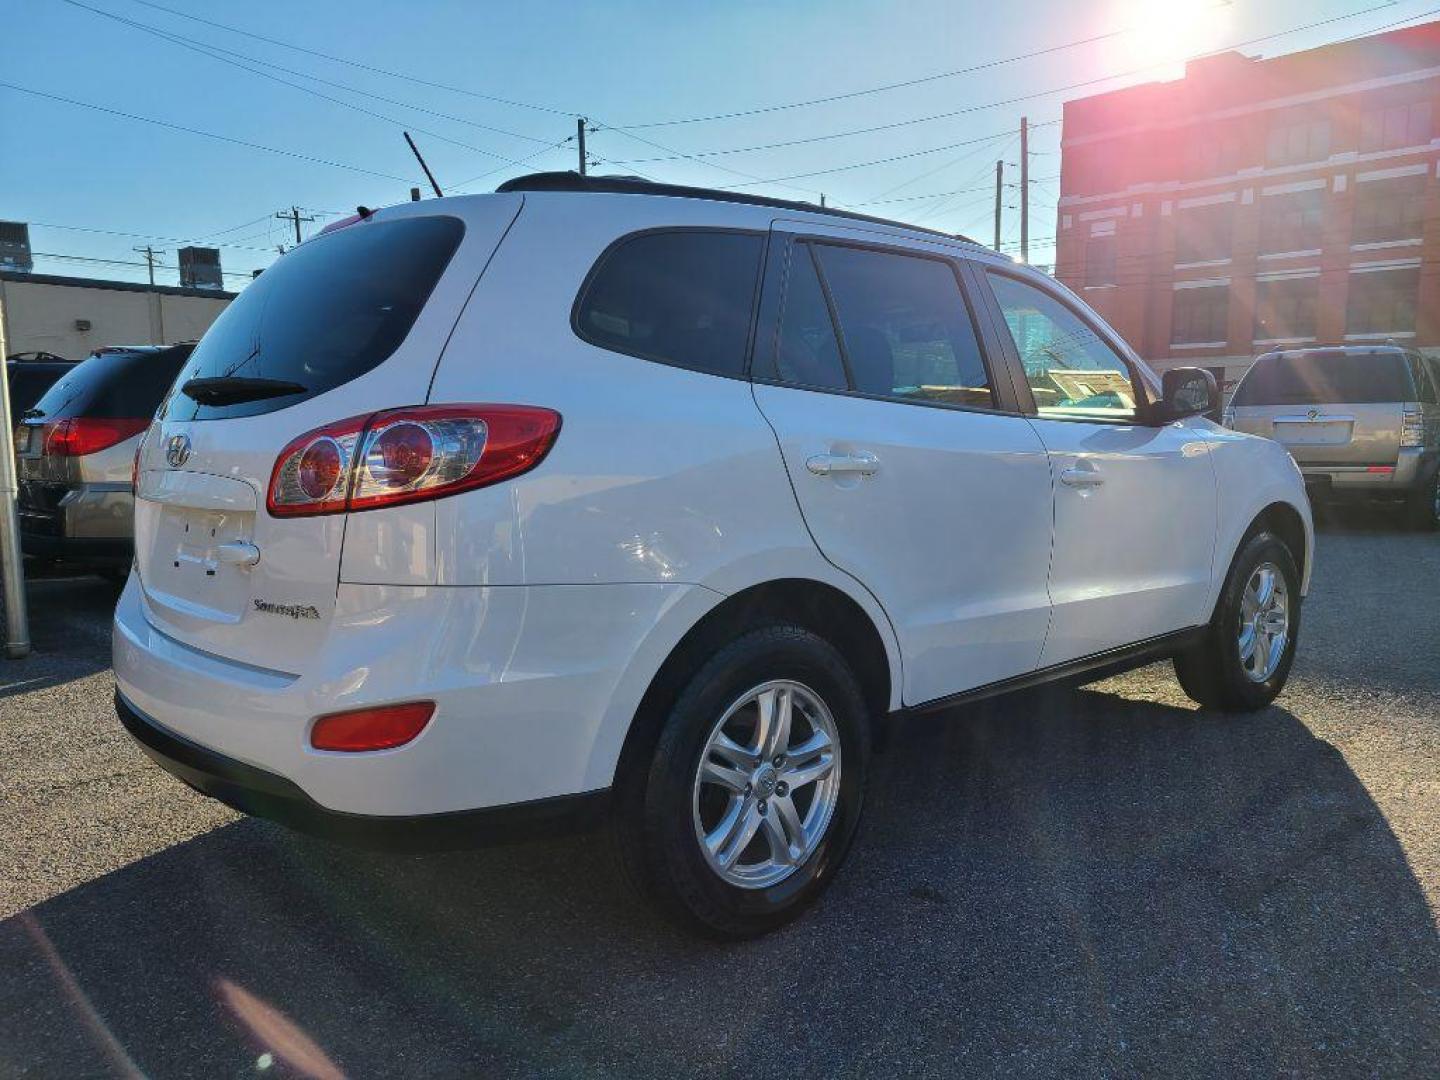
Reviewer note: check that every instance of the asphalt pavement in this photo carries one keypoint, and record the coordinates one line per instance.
(1102, 881)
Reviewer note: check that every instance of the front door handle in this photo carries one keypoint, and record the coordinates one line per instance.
(1081, 476)
(862, 462)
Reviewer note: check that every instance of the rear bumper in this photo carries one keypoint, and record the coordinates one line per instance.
(264, 794)
(91, 523)
(534, 688)
(1412, 469)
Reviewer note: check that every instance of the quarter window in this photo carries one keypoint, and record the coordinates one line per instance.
(809, 353)
(905, 330)
(1071, 370)
(682, 298)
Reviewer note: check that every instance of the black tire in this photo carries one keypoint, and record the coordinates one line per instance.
(654, 821)
(1211, 672)
(1422, 509)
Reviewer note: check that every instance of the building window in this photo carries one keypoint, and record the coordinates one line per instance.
(1208, 154)
(1292, 222)
(1099, 261)
(1296, 137)
(1389, 127)
(1203, 233)
(1389, 210)
(1200, 315)
(1382, 301)
(1285, 308)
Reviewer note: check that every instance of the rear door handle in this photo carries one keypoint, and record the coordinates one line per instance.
(862, 462)
(1081, 476)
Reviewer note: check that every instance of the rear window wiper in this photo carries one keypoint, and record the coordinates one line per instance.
(234, 389)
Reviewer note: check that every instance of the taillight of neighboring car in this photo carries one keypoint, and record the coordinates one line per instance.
(407, 455)
(81, 435)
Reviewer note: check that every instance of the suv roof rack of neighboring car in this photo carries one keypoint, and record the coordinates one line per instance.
(635, 185)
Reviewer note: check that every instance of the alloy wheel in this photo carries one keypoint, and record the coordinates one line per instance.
(1264, 622)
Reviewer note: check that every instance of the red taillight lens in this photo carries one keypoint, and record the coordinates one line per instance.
(83, 435)
(407, 455)
(381, 728)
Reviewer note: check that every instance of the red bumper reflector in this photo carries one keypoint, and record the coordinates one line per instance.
(1381, 468)
(382, 728)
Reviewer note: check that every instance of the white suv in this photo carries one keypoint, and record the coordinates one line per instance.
(594, 500)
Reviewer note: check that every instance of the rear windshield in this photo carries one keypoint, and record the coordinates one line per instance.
(1325, 378)
(29, 381)
(325, 313)
(113, 386)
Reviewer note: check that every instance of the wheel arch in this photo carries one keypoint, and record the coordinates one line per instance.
(821, 607)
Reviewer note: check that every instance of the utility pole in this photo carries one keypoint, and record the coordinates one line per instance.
(999, 198)
(580, 141)
(1024, 189)
(822, 199)
(293, 215)
(150, 256)
(12, 569)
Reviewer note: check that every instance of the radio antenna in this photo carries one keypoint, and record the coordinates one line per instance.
(428, 174)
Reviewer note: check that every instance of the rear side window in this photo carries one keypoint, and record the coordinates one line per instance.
(114, 386)
(904, 326)
(326, 313)
(1325, 378)
(680, 297)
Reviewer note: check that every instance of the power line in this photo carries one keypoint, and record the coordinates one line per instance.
(884, 87)
(950, 114)
(148, 263)
(205, 134)
(357, 64)
(210, 51)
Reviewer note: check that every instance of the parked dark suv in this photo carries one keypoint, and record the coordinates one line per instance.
(75, 449)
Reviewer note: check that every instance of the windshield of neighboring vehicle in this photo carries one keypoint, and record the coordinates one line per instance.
(327, 312)
(1325, 378)
(113, 386)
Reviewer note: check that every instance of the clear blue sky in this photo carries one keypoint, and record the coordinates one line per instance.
(620, 62)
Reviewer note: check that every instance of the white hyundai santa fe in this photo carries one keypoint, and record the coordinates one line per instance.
(595, 500)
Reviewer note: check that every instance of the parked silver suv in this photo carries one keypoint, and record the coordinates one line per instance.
(1362, 422)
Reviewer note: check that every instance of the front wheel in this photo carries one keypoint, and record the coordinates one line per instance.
(755, 788)
(1244, 657)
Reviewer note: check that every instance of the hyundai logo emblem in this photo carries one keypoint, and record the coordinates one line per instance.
(1313, 414)
(177, 451)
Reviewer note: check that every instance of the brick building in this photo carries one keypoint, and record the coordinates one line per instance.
(1256, 204)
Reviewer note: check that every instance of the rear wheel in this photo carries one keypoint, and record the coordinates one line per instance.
(1423, 507)
(755, 788)
(1244, 658)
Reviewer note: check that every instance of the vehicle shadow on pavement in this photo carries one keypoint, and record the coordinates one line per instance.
(69, 632)
(1064, 883)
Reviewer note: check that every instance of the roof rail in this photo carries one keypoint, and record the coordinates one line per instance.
(635, 185)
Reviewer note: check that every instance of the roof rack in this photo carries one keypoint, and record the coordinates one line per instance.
(635, 185)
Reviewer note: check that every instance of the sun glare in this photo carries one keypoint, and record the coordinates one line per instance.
(1169, 31)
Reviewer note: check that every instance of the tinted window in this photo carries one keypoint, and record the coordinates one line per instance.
(809, 352)
(29, 381)
(114, 385)
(1070, 368)
(681, 298)
(327, 312)
(904, 327)
(1325, 378)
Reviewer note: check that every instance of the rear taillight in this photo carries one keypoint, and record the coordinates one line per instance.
(406, 455)
(1412, 428)
(83, 435)
(360, 730)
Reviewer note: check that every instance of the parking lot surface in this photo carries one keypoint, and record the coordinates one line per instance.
(1101, 881)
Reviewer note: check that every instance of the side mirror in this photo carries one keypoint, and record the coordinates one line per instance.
(1187, 391)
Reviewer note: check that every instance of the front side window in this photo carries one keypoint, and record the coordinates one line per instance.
(1382, 301)
(682, 298)
(905, 330)
(1285, 308)
(1071, 370)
